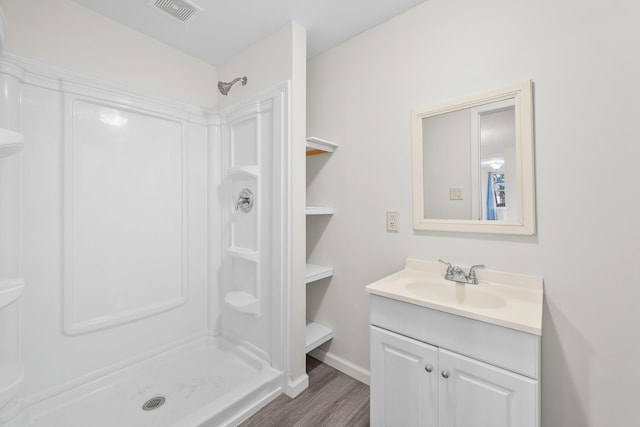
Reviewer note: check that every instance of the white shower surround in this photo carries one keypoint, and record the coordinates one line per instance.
(146, 170)
(105, 344)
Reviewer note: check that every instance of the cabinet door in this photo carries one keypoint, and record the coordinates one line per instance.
(475, 394)
(403, 391)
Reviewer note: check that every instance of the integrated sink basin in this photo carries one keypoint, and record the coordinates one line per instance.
(505, 299)
(456, 294)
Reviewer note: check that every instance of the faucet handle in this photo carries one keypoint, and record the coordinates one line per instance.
(471, 278)
(447, 263)
(449, 274)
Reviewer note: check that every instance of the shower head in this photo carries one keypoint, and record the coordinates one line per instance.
(224, 88)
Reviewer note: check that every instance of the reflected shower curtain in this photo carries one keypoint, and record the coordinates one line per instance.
(491, 198)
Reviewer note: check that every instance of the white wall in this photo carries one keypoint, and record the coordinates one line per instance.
(70, 36)
(582, 57)
(266, 63)
(447, 163)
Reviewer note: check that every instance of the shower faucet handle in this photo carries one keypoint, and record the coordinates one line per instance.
(245, 201)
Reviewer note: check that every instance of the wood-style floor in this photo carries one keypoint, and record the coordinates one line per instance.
(333, 399)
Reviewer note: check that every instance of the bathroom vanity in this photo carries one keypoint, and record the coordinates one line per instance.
(451, 354)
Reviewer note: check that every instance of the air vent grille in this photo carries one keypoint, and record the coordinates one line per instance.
(182, 10)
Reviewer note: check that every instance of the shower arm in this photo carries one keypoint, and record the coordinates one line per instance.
(237, 79)
(224, 88)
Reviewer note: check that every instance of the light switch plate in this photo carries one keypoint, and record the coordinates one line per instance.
(455, 193)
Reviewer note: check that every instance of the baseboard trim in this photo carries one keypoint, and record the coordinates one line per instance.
(342, 365)
(297, 386)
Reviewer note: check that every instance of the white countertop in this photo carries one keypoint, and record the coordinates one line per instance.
(505, 299)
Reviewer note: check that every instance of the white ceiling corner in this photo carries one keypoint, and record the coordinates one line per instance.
(225, 27)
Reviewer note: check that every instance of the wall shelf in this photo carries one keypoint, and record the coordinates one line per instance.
(319, 146)
(319, 210)
(10, 142)
(316, 335)
(314, 272)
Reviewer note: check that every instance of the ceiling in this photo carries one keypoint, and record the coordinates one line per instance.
(225, 27)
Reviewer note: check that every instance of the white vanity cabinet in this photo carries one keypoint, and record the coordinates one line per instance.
(435, 369)
(472, 393)
(404, 381)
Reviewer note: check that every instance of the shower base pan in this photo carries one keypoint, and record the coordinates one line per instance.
(208, 382)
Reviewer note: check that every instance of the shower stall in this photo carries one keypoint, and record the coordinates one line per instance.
(145, 250)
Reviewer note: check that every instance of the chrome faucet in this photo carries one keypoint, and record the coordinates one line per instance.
(457, 274)
(245, 201)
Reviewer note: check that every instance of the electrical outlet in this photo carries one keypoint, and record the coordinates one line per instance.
(392, 221)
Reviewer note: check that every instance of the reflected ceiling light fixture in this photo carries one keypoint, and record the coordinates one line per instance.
(224, 88)
(497, 165)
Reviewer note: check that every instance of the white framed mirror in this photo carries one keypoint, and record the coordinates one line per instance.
(473, 164)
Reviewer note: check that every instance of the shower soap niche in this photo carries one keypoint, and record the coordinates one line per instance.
(10, 290)
(11, 376)
(10, 142)
(242, 301)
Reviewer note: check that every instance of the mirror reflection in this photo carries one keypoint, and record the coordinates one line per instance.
(466, 155)
(473, 164)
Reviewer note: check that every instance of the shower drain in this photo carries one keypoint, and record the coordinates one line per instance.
(153, 403)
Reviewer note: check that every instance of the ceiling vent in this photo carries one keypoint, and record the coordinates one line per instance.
(182, 10)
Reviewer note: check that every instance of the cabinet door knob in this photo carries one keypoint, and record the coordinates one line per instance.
(428, 368)
(445, 374)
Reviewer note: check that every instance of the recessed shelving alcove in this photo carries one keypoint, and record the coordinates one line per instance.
(317, 334)
(247, 175)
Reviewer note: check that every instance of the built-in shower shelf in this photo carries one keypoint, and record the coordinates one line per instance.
(319, 146)
(10, 142)
(242, 301)
(10, 290)
(314, 272)
(11, 376)
(316, 335)
(319, 210)
(244, 170)
(247, 254)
